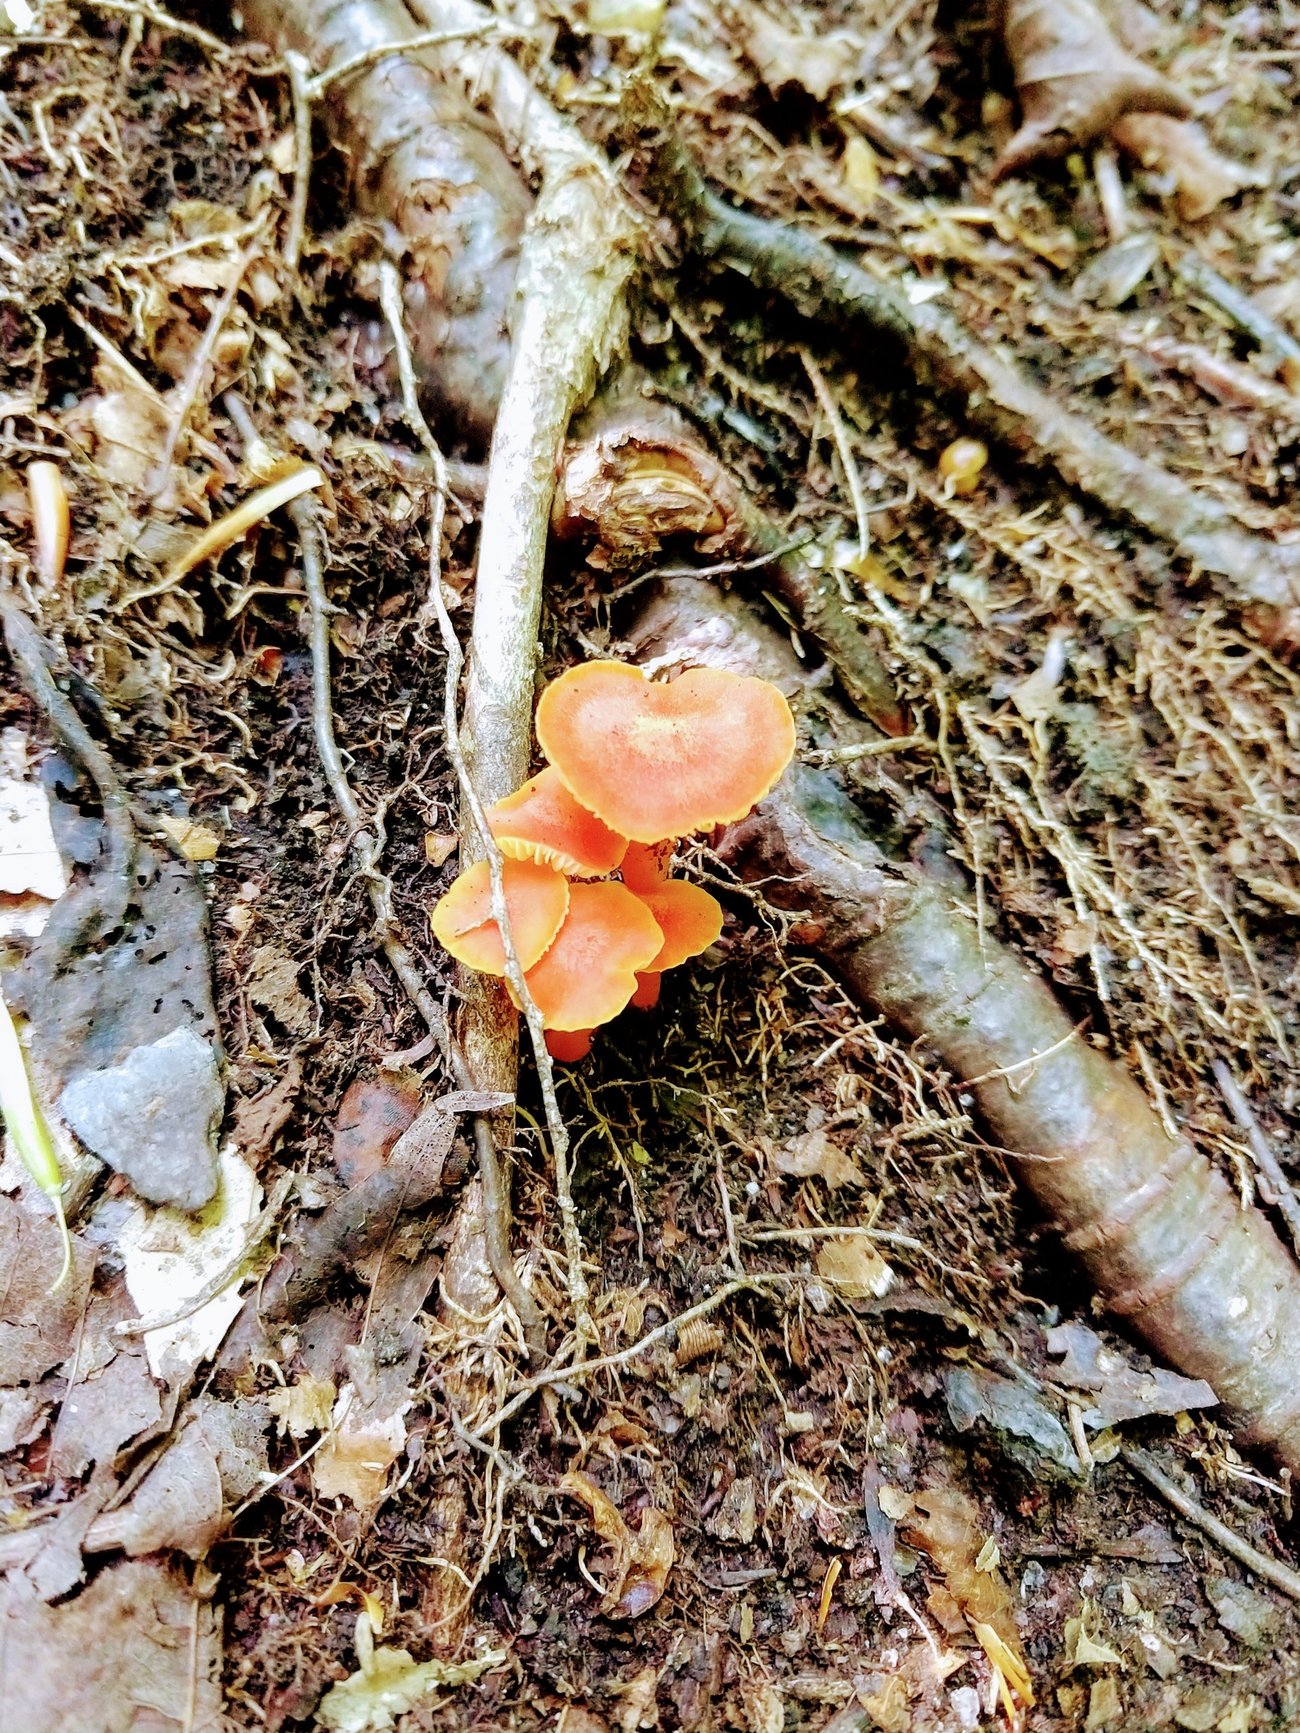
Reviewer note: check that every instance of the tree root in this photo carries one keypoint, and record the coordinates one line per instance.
(995, 396)
(1157, 1229)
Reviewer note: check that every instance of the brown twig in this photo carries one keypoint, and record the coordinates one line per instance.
(366, 841)
(1269, 1570)
(496, 1190)
(577, 258)
(198, 366)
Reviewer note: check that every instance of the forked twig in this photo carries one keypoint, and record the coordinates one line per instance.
(496, 1201)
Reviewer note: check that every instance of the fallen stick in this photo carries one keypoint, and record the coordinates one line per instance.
(1158, 1231)
(995, 396)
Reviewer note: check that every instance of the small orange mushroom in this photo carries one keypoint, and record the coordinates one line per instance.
(537, 900)
(569, 1045)
(646, 865)
(689, 919)
(659, 760)
(542, 821)
(589, 973)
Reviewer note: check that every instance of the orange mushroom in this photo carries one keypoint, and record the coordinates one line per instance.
(659, 760)
(569, 1045)
(646, 865)
(589, 973)
(689, 919)
(542, 821)
(537, 899)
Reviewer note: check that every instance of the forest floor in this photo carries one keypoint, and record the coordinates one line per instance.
(870, 1434)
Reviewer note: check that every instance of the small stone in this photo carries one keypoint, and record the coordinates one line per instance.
(154, 1118)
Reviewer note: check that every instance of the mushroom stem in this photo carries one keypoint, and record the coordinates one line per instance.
(646, 996)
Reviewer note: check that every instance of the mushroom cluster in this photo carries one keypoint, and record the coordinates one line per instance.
(587, 845)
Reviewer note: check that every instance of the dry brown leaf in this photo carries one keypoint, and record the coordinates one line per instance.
(946, 1525)
(354, 1461)
(180, 1503)
(812, 1153)
(135, 1650)
(273, 985)
(372, 1115)
(130, 429)
(818, 64)
(855, 1267)
(1182, 148)
(302, 1407)
(195, 841)
(640, 1559)
(1074, 79)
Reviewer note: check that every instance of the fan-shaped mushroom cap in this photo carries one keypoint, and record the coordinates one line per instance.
(589, 973)
(656, 761)
(537, 899)
(646, 865)
(689, 919)
(687, 916)
(542, 821)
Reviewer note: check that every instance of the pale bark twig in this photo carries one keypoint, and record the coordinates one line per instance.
(578, 254)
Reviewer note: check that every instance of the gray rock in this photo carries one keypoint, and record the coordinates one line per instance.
(154, 1117)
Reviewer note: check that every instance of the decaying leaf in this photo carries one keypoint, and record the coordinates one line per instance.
(1012, 1410)
(813, 1153)
(389, 1682)
(855, 1268)
(354, 1461)
(1116, 1389)
(640, 1559)
(303, 1407)
(134, 1650)
(173, 1258)
(195, 841)
(1083, 1648)
(273, 985)
(1074, 79)
(372, 1115)
(945, 1524)
(1181, 148)
(817, 63)
(179, 1504)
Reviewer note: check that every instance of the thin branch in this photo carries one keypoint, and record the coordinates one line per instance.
(198, 367)
(1282, 1193)
(305, 513)
(371, 56)
(496, 1196)
(1269, 1570)
(298, 68)
(849, 463)
(390, 297)
(164, 20)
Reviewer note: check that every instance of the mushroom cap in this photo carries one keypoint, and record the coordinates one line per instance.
(589, 973)
(659, 760)
(646, 865)
(568, 1046)
(537, 899)
(687, 916)
(542, 821)
(646, 996)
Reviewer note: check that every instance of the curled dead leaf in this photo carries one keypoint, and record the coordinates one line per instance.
(640, 1559)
